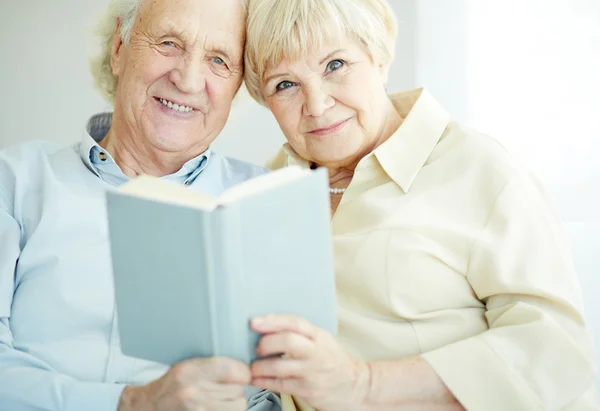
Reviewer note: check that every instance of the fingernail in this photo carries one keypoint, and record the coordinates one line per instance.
(257, 322)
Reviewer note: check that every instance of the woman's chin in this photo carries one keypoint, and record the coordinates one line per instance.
(339, 154)
(335, 161)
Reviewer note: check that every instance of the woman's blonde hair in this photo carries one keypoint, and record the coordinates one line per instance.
(283, 30)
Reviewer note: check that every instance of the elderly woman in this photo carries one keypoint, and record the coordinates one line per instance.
(455, 285)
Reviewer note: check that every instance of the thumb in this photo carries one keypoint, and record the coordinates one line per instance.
(225, 370)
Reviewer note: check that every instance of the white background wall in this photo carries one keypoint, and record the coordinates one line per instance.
(525, 71)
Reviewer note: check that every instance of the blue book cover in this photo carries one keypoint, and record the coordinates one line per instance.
(191, 271)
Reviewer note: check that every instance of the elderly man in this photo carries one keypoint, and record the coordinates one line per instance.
(171, 68)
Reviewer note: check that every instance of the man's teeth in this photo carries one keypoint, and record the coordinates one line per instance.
(176, 107)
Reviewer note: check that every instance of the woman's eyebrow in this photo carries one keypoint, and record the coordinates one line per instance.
(330, 55)
(274, 76)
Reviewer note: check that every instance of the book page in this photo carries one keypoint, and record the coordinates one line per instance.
(154, 188)
(263, 183)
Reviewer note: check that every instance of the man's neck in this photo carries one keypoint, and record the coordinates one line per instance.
(137, 156)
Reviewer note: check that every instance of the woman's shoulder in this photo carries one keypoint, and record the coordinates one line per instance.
(479, 155)
(286, 156)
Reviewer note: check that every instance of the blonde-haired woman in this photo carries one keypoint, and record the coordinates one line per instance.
(455, 285)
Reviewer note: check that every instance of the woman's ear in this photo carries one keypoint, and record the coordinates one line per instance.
(384, 72)
(116, 49)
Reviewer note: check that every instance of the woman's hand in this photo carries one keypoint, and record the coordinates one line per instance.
(314, 367)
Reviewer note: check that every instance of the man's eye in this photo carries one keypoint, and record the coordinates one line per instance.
(168, 44)
(218, 60)
(335, 65)
(284, 84)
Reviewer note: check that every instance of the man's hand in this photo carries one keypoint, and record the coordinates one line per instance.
(199, 385)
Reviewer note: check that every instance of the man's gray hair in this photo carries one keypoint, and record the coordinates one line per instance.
(126, 11)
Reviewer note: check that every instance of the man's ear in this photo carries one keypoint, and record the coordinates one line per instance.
(116, 49)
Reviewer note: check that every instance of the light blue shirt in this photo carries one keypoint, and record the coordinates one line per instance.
(59, 345)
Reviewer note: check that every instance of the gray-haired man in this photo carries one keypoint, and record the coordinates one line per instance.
(172, 69)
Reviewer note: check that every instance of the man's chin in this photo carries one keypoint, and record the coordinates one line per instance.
(178, 141)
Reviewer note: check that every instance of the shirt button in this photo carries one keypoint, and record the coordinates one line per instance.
(102, 156)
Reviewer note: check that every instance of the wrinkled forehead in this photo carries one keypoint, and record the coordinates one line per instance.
(225, 12)
(222, 21)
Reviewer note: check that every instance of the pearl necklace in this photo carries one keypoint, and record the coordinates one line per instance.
(336, 190)
(332, 190)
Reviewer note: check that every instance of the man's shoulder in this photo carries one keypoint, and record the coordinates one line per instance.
(29, 151)
(25, 162)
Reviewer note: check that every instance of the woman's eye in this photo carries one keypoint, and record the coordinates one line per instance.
(334, 65)
(168, 44)
(284, 84)
(218, 60)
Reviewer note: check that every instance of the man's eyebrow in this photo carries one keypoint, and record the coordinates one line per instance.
(223, 52)
(169, 30)
(162, 32)
(166, 28)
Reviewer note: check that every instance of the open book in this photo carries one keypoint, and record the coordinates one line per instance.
(190, 270)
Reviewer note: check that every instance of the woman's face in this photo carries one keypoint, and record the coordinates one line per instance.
(331, 104)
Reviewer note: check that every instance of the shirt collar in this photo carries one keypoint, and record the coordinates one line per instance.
(404, 154)
(96, 157)
(85, 151)
(294, 159)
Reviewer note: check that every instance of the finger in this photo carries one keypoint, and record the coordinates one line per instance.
(231, 371)
(278, 368)
(280, 323)
(220, 370)
(220, 391)
(204, 395)
(291, 386)
(289, 343)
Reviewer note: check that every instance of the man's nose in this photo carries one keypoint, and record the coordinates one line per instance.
(190, 77)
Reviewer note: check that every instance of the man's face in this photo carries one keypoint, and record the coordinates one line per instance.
(180, 72)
